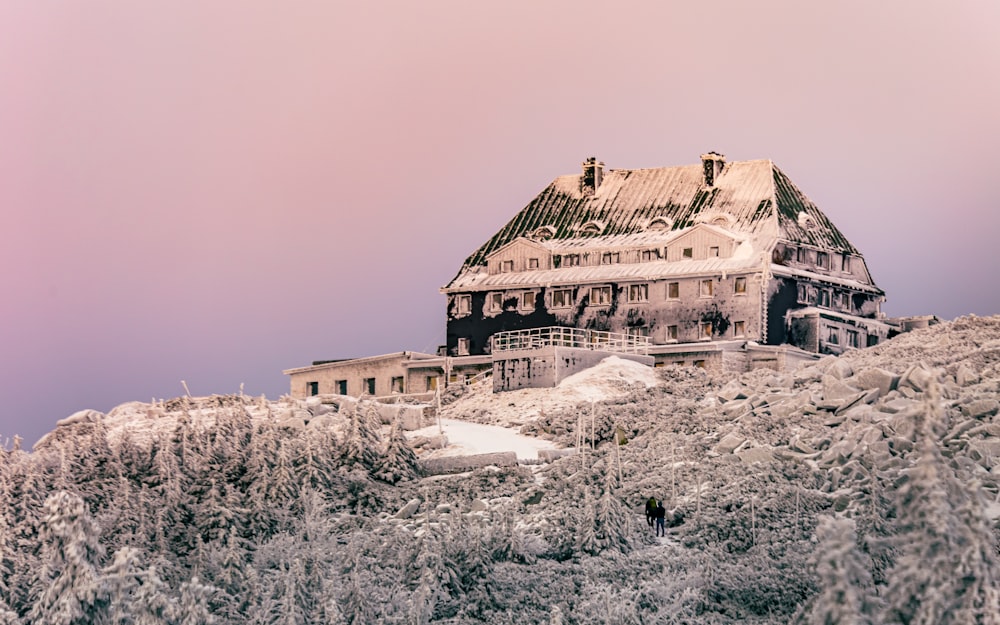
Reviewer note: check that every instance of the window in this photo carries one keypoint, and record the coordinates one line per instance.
(571, 260)
(507, 266)
(638, 331)
(610, 258)
(706, 330)
(713, 251)
(671, 333)
(823, 298)
(699, 363)
(739, 328)
(638, 292)
(822, 260)
(463, 304)
(397, 384)
(496, 302)
(833, 336)
(369, 386)
(852, 338)
(673, 290)
(600, 295)
(528, 300)
(800, 255)
(845, 263)
(803, 294)
(648, 255)
(740, 285)
(532, 263)
(687, 252)
(706, 288)
(341, 386)
(872, 340)
(432, 382)
(562, 298)
(312, 388)
(463, 346)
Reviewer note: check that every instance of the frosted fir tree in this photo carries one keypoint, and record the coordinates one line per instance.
(977, 571)
(585, 537)
(121, 579)
(152, 604)
(925, 584)
(399, 462)
(289, 606)
(192, 609)
(361, 440)
(70, 588)
(611, 526)
(844, 578)
(313, 463)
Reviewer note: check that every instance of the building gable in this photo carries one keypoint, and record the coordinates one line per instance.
(520, 254)
(701, 242)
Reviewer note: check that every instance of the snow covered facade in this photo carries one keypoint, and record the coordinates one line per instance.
(700, 258)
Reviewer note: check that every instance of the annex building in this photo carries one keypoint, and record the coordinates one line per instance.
(715, 264)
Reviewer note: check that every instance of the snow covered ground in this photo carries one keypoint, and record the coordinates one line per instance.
(613, 377)
(466, 438)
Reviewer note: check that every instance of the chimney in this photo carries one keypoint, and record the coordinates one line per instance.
(593, 174)
(712, 164)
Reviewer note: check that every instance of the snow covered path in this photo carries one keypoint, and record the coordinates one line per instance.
(465, 438)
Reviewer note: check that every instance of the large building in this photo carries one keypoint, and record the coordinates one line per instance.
(720, 265)
(684, 255)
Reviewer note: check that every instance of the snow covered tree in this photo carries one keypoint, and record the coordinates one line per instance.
(611, 523)
(152, 604)
(193, 606)
(70, 589)
(399, 462)
(121, 580)
(844, 578)
(946, 572)
(361, 441)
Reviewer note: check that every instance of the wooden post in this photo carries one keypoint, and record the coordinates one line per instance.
(593, 427)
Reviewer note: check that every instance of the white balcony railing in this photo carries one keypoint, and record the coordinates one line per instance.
(556, 336)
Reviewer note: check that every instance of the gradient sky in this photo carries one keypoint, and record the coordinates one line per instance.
(216, 191)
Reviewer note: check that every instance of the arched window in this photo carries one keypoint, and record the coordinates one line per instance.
(592, 228)
(544, 233)
(659, 223)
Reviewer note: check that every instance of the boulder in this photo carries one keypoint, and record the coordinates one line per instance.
(835, 389)
(409, 509)
(979, 408)
(479, 505)
(82, 416)
(755, 454)
(918, 377)
(840, 369)
(965, 376)
(731, 391)
(459, 464)
(881, 379)
(551, 455)
(729, 443)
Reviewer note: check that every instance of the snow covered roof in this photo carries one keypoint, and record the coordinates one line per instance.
(751, 197)
(625, 272)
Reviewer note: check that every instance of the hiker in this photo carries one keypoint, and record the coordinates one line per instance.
(650, 509)
(660, 514)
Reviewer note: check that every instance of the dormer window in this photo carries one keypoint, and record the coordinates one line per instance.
(544, 233)
(591, 228)
(532, 263)
(713, 251)
(610, 258)
(687, 252)
(507, 266)
(806, 221)
(570, 260)
(649, 255)
(659, 223)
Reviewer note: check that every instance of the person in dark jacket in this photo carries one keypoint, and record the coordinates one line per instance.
(650, 509)
(660, 514)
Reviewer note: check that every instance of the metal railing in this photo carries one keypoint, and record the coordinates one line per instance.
(556, 336)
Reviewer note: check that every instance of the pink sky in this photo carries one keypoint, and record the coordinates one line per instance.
(215, 191)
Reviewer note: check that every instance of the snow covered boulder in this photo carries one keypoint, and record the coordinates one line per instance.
(874, 377)
(979, 408)
(409, 509)
(729, 443)
(83, 416)
(459, 464)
